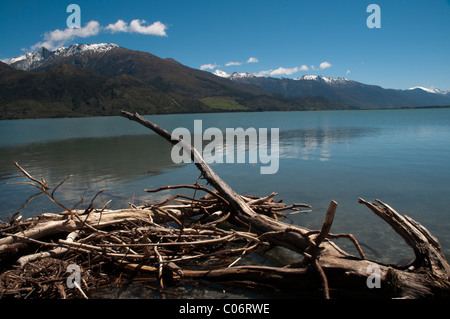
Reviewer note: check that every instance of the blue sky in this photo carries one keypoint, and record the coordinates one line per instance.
(285, 38)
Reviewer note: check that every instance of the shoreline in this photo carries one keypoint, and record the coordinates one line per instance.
(242, 111)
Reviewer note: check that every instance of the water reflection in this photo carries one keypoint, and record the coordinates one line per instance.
(129, 164)
(316, 144)
(93, 160)
(96, 164)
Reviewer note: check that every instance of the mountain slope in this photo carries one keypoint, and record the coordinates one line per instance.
(111, 60)
(101, 79)
(347, 91)
(67, 91)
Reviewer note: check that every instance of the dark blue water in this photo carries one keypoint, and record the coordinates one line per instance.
(399, 156)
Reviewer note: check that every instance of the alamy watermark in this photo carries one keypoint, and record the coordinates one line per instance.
(374, 278)
(231, 148)
(74, 19)
(74, 279)
(374, 19)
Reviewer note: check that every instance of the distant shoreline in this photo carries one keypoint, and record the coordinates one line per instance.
(245, 111)
(409, 108)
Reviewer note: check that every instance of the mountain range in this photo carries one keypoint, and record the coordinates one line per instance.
(101, 79)
(347, 91)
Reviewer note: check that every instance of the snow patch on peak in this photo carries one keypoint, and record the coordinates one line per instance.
(24, 62)
(81, 48)
(33, 60)
(324, 79)
(222, 74)
(308, 77)
(235, 75)
(428, 90)
(98, 47)
(242, 75)
(17, 59)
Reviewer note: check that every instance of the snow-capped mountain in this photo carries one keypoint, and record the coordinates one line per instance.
(235, 75)
(28, 61)
(33, 60)
(102, 79)
(436, 91)
(351, 92)
(222, 74)
(323, 79)
(318, 78)
(168, 76)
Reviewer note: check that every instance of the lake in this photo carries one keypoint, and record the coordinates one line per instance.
(399, 156)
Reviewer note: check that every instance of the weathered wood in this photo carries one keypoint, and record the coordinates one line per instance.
(426, 247)
(96, 220)
(135, 239)
(344, 274)
(22, 261)
(243, 213)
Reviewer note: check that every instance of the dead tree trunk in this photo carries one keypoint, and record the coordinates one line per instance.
(341, 274)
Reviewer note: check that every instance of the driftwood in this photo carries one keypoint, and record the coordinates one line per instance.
(428, 276)
(208, 238)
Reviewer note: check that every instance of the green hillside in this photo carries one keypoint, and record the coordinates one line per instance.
(103, 84)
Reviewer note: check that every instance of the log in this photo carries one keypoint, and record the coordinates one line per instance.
(58, 251)
(343, 275)
(96, 220)
(426, 247)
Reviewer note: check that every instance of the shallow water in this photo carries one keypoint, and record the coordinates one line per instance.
(399, 156)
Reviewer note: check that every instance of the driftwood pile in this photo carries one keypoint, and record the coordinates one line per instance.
(208, 237)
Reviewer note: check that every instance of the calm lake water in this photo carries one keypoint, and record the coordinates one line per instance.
(399, 156)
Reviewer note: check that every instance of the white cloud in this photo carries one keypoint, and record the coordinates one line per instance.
(119, 26)
(137, 26)
(283, 71)
(57, 38)
(157, 28)
(263, 73)
(304, 68)
(324, 65)
(208, 66)
(204, 66)
(347, 73)
(233, 63)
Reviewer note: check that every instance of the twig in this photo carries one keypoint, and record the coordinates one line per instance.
(314, 248)
(80, 290)
(196, 186)
(62, 182)
(353, 240)
(43, 186)
(326, 226)
(165, 212)
(324, 279)
(41, 182)
(160, 267)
